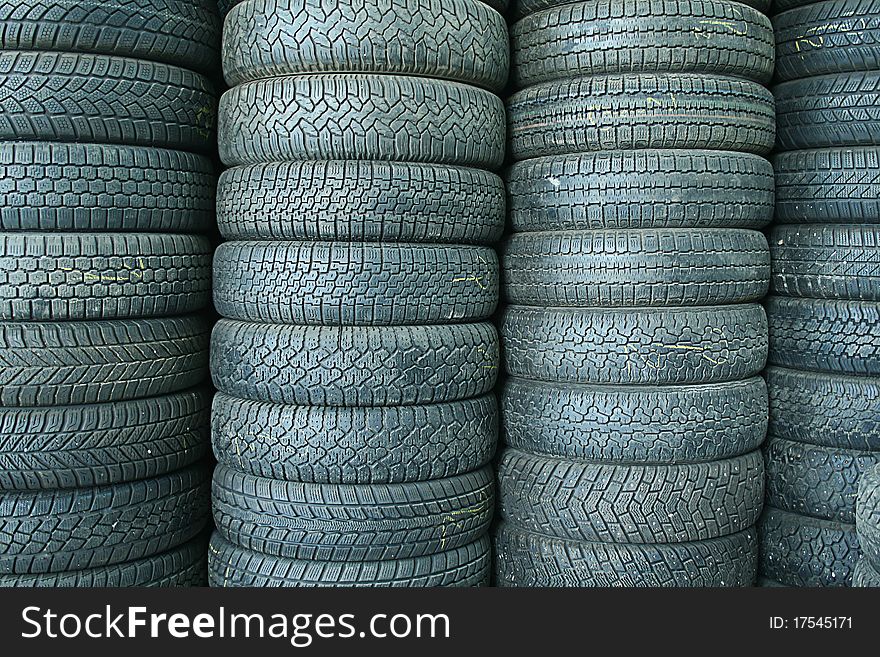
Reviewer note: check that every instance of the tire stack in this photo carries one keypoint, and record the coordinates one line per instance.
(633, 413)
(867, 571)
(824, 308)
(355, 420)
(103, 196)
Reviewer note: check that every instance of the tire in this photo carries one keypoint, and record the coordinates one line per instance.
(101, 444)
(232, 566)
(61, 531)
(826, 262)
(75, 276)
(868, 516)
(634, 424)
(815, 480)
(93, 187)
(766, 583)
(348, 366)
(611, 503)
(865, 575)
(635, 346)
(372, 445)
(625, 268)
(361, 202)
(72, 363)
(639, 36)
(832, 410)
(225, 6)
(531, 560)
(49, 96)
(806, 552)
(456, 40)
(641, 111)
(354, 284)
(834, 186)
(181, 32)
(361, 117)
(351, 523)
(828, 111)
(825, 335)
(827, 37)
(182, 566)
(641, 189)
(521, 8)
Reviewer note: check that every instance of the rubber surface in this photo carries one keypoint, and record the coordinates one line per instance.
(339, 283)
(361, 117)
(641, 111)
(354, 366)
(361, 201)
(634, 424)
(371, 445)
(635, 346)
(232, 566)
(641, 189)
(520, 8)
(527, 559)
(60, 276)
(98, 444)
(648, 267)
(868, 516)
(66, 363)
(865, 575)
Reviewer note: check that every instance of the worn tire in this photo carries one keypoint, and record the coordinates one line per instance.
(372, 445)
(868, 516)
(531, 560)
(360, 202)
(354, 366)
(522, 8)
(71, 363)
(641, 189)
(635, 346)
(233, 566)
(865, 575)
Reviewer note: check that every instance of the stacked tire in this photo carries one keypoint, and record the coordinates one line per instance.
(867, 570)
(355, 420)
(633, 412)
(824, 308)
(105, 191)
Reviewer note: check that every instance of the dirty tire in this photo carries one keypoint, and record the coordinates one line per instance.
(233, 566)
(354, 366)
(865, 575)
(868, 516)
(635, 346)
(361, 202)
(355, 445)
(521, 8)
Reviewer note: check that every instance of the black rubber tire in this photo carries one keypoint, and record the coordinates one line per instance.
(96, 445)
(836, 36)
(803, 551)
(360, 202)
(635, 346)
(360, 522)
(183, 566)
(66, 363)
(641, 189)
(60, 531)
(784, 5)
(361, 117)
(868, 516)
(641, 111)
(232, 566)
(767, 583)
(833, 185)
(826, 262)
(626, 268)
(828, 111)
(635, 424)
(354, 366)
(372, 445)
(613, 503)
(354, 284)
(499, 5)
(531, 560)
(814, 480)
(865, 575)
(833, 410)
(522, 8)
(93, 187)
(49, 96)
(642, 36)
(181, 32)
(225, 6)
(62, 276)
(825, 335)
(458, 40)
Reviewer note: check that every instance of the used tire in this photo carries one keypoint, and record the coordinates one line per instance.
(525, 7)
(868, 516)
(865, 575)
